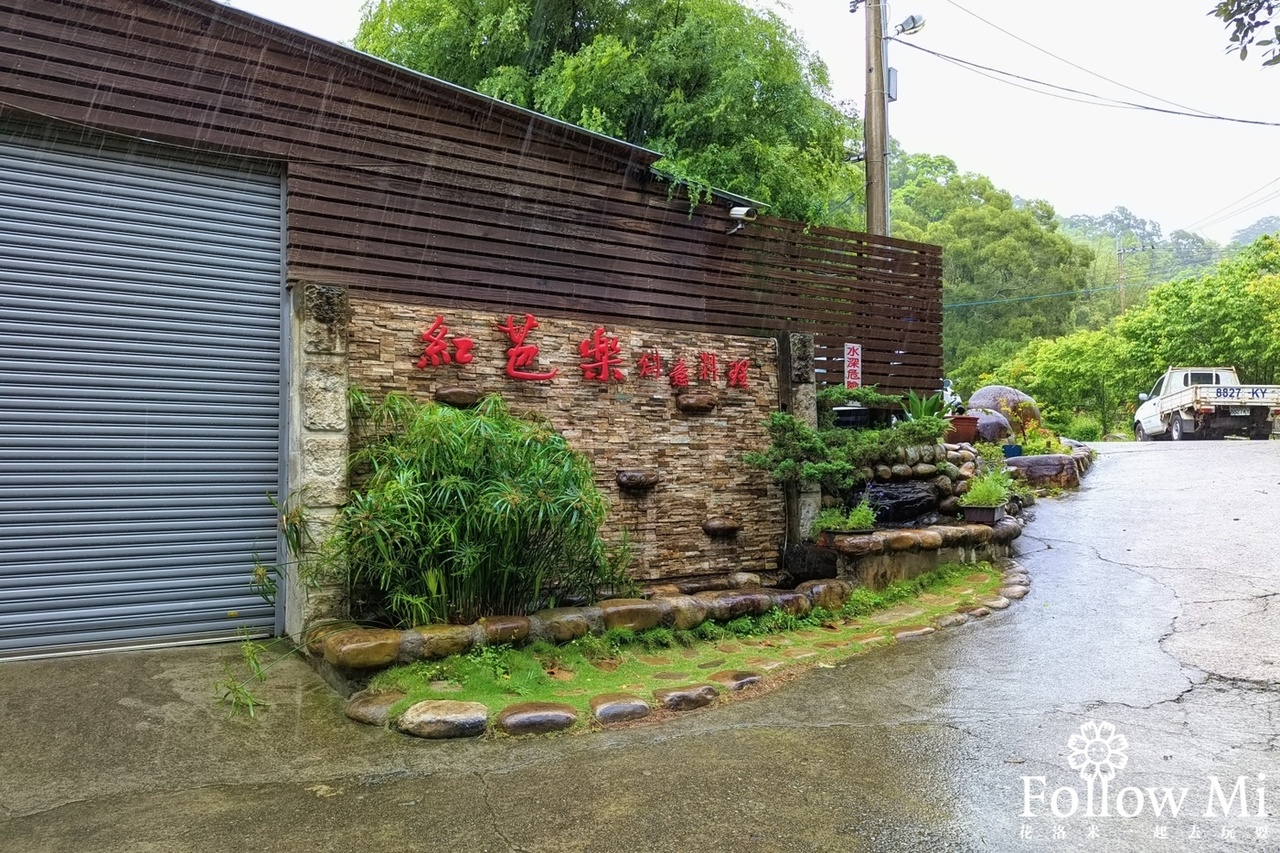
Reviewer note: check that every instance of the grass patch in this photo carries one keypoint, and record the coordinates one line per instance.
(639, 663)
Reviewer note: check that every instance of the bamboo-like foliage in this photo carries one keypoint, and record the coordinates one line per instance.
(467, 513)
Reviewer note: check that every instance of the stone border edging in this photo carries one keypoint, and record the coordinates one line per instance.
(357, 652)
(444, 718)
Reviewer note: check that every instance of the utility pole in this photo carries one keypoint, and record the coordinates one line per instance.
(875, 130)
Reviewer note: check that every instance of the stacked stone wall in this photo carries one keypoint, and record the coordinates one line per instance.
(637, 424)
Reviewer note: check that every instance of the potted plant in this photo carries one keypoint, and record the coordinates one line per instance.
(985, 500)
(964, 428)
(834, 522)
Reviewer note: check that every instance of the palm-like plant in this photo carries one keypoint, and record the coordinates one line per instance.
(464, 513)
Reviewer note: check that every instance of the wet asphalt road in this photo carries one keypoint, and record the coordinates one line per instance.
(1150, 610)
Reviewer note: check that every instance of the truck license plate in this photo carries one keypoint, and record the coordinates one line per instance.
(1239, 411)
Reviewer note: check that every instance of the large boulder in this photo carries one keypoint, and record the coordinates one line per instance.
(992, 426)
(1010, 402)
(1056, 470)
(898, 502)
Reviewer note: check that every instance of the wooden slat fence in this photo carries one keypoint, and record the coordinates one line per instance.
(405, 186)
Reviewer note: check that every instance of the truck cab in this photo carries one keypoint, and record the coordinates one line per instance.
(1205, 402)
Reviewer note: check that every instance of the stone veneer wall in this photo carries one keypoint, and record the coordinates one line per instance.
(630, 425)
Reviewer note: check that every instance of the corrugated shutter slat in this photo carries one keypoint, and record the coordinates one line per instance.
(140, 335)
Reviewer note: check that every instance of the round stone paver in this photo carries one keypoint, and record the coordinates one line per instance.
(711, 664)
(767, 664)
(896, 614)
(536, 718)
(1014, 592)
(976, 612)
(911, 632)
(686, 698)
(671, 676)
(618, 707)
(372, 709)
(995, 602)
(951, 620)
(444, 718)
(735, 679)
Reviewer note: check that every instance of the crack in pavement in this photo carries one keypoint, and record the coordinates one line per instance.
(493, 814)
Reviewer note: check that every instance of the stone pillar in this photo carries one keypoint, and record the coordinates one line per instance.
(805, 502)
(318, 442)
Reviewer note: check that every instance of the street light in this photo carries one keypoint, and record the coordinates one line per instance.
(875, 127)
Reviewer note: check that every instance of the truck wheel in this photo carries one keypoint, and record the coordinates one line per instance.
(1140, 434)
(1175, 427)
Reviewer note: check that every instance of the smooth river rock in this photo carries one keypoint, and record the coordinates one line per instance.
(444, 718)
(536, 718)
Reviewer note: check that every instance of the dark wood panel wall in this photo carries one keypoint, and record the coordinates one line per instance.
(407, 186)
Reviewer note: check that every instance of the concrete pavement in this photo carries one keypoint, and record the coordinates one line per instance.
(1150, 610)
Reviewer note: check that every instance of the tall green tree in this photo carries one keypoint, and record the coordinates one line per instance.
(1008, 275)
(728, 94)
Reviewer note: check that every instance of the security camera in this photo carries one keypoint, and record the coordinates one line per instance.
(743, 214)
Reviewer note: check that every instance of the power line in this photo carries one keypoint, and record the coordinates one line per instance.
(1153, 276)
(1264, 185)
(1069, 62)
(1104, 100)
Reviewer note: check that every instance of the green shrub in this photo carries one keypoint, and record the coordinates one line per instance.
(1082, 428)
(990, 488)
(467, 513)
(861, 517)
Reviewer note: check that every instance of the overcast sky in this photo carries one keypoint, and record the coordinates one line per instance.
(1211, 177)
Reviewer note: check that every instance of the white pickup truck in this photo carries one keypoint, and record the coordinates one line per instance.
(1206, 402)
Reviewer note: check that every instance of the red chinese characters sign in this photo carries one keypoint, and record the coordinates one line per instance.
(436, 346)
(602, 355)
(521, 355)
(853, 365)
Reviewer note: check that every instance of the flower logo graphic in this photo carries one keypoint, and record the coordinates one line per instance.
(1097, 752)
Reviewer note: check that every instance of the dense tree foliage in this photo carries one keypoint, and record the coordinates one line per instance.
(1008, 275)
(728, 94)
(1251, 22)
(1228, 317)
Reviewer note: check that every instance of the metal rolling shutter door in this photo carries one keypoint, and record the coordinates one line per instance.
(140, 366)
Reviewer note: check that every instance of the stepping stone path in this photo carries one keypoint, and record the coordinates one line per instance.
(951, 620)
(767, 664)
(896, 614)
(618, 708)
(536, 718)
(735, 679)
(686, 698)
(910, 632)
(445, 718)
